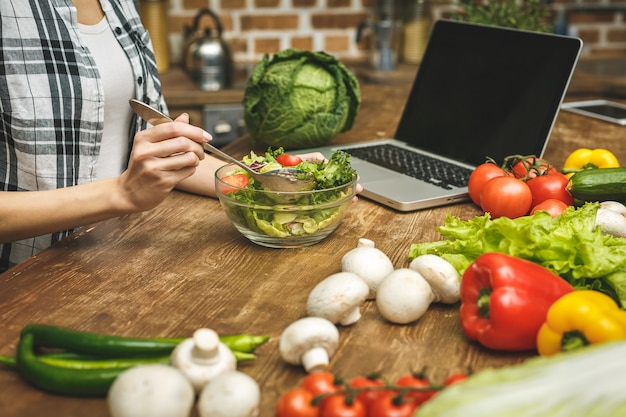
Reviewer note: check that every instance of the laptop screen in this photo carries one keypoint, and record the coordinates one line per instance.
(484, 91)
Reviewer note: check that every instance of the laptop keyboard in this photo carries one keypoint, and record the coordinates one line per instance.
(423, 167)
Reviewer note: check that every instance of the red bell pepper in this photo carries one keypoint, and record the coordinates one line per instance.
(505, 300)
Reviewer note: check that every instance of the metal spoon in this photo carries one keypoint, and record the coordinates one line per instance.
(285, 179)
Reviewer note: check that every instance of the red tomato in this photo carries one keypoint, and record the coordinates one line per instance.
(553, 206)
(336, 405)
(288, 160)
(296, 402)
(549, 186)
(418, 397)
(531, 167)
(480, 176)
(389, 405)
(236, 180)
(368, 396)
(321, 382)
(455, 379)
(506, 197)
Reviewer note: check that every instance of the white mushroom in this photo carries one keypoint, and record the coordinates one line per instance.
(310, 341)
(403, 296)
(368, 262)
(202, 357)
(443, 278)
(610, 222)
(338, 298)
(230, 394)
(154, 390)
(615, 206)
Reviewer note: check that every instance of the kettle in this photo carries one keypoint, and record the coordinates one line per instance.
(383, 51)
(207, 58)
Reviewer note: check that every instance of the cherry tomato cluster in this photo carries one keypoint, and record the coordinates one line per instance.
(519, 187)
(321, 394)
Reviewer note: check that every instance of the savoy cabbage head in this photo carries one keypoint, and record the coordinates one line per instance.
(299, 99)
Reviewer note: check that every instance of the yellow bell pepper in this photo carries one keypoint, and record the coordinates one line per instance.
(585, 158)
(580, 318)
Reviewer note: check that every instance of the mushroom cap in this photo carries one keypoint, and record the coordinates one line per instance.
(368, 262)
(202, 357)
(338, 298)
(403, 296)
(442, 277)
(230, 394)
(309, 341)
(610, 222)
(154, 390)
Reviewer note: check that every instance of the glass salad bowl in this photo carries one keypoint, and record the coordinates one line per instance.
(281, 219)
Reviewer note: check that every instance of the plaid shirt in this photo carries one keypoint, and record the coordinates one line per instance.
(52, 99)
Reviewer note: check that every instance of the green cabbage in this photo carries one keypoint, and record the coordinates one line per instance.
(299, 99)
(588, 382)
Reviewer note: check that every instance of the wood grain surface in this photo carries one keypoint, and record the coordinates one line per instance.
(182, 265)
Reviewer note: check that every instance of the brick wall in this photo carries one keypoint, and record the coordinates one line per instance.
(600, 24)
(255, 27)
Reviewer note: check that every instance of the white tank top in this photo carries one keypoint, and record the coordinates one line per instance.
(117, 80)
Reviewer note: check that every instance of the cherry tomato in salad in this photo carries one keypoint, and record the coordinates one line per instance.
(479, 177)
(455, 379)
(390, 405)
(296, 402)
(368, 395)
(532, 167)
(553, 206)
(418, 397)
(506, 197)
(337, 405)
(236, 180)
(544, 187)
(321, 382)
(288, 160)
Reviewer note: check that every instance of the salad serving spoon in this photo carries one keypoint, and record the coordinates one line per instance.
(284, 179)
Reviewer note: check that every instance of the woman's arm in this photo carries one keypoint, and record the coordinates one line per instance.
(162, 157)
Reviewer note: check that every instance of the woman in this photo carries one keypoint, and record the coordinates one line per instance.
(69, 142)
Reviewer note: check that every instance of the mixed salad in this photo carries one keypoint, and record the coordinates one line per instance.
(290, 214)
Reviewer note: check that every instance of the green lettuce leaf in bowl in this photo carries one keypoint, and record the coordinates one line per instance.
(299, 99)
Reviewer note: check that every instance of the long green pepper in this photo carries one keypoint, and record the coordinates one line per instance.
(89, 362)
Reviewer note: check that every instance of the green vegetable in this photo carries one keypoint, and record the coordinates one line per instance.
(585, 382)
(337, 171)
(569, 245)
(64, 381)
(95, 344)
(601, 184)
(300, 99)
(86, 364)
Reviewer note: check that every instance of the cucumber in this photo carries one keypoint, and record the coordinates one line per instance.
(601, 184)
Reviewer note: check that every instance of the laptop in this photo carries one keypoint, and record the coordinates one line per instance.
(480, 91)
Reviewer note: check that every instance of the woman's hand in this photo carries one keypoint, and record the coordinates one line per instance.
(162, 156)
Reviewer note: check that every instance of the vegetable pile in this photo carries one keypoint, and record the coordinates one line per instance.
(300, 99)
(323, 394)
(570, 245)
(69, 362)
(521, 185)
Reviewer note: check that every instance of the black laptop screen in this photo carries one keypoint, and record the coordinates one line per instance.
(487, 92)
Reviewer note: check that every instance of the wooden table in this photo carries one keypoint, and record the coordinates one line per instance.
(182, 266)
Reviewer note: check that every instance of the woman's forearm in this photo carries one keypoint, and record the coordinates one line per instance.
(34, 213)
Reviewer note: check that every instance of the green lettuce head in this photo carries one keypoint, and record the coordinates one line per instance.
(300, 99)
